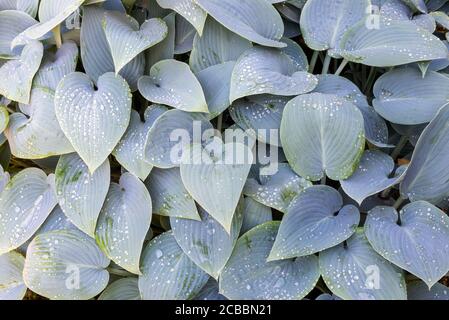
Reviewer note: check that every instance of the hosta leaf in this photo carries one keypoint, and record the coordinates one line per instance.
(11, 281)
(331, 130)
(418, 290)
(122, 289)
(376, 130)
(417, 5)
(160, 146)
(210, 292)
(393, 43)
(323, 22)
(371, 176)
(427, 177)
(403, 96)
(95, 50)
(124, 222)
(55, 66)
(248, 276)
(216, 84)
(25, 203)
(216, 182)
(51, 14)
(57, 220)
(185, 33)
(28, 6)
(206, 242)
(4, 119)
(189, 9)
(254, 214)
(172, 83)
(127, 40)
(130, 151)
(39, 135)
(259, 115)
(316, 220)
(12, 23)
(65, 264)
(278, 75)
(167, 272)
(17, 74)
(354, 271)
(257, 21)
(215, 46)
(93, 120)
(80, 193)
(169, 196)
(416, 239)
(278, 190)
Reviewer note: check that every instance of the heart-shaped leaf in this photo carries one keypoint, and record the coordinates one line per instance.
(248, 275)
(278, 190)
(416, 239)
(216, 45)
(354, 271)
(40, 135)
(189, 9)
(122, 289)
(171, 133)
(172, 83)
(331, 130)
(182, 279)
(25, 203)
(403, 96)
(391, 44)
(17, 74)
(371, 176)
(427, 177)
(216, 181)
(124, 222)
(11, 281)
(169, 196)
(257, 21)
(130, 151)
(65, 265)
(185, 33)
(254, 214)
(95, 51)
(316, 220)
(55, 66)
(93, 120)
(323, 22)
(206, 242)
(127, 40)
(12, 23)
(278, 75)
(80, 193)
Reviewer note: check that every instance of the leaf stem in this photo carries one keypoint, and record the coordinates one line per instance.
(57, 35)
(402, 143)
(313, 61)
(341, 67)
(370, 80)
(398, 202)
(220, 122)
(326, 64)
(118, 272)
(323, 180)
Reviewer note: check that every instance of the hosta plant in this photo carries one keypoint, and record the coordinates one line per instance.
(224, 149)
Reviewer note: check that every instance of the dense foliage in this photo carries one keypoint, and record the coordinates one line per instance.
(224, 149)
